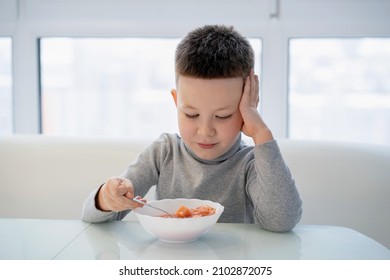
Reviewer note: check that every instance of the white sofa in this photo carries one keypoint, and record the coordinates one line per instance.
(49, 177)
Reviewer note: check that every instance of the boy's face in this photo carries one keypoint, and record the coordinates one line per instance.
(209, 118)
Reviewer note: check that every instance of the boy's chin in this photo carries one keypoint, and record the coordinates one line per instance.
(208, 155)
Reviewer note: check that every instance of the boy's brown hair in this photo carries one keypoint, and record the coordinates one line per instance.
(214, 51)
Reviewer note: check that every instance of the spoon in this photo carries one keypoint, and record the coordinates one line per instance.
(154, 207)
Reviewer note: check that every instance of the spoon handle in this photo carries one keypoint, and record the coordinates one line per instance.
(156, 208)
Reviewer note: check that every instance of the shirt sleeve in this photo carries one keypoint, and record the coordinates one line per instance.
(91, 214)
(143, 173)
(271, 187)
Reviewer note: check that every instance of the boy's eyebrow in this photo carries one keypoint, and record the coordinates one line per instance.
(228, 107)
(186, 106)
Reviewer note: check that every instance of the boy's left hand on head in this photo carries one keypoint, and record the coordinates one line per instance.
(253, 124)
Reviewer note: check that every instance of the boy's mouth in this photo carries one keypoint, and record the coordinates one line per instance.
(206, 146)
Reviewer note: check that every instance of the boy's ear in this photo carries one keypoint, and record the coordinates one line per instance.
(174, 95)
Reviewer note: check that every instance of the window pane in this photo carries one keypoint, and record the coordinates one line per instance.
(6, 120)
(109, 86)
(340, 89)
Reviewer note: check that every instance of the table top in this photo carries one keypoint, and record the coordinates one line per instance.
(64, 239)
(36, 239)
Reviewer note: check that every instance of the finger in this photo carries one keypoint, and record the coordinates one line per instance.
(130, 194)
(129, 186)
(247, 86)
(119, 203)
(131, 204)
(121, 181)
(126, 182)
(120, 190)
(141, 199)
(253, 82)
(257, 89)
(123, 203)
(254, 96)
(119, 186)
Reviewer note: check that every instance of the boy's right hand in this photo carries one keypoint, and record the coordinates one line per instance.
(116, 195)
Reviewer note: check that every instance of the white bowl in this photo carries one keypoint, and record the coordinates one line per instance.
(177, 230)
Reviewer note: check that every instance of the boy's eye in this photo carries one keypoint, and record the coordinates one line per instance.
(191, 116)
(223, 117)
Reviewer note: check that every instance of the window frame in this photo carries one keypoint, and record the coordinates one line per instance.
(9, 126)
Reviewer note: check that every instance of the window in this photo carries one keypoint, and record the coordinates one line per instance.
(57, 86)
(5, 86)
(339, 89)
(110, 86)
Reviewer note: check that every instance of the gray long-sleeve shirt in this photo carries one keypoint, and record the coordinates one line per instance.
(252, 183)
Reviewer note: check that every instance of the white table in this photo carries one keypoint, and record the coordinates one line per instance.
(36, 239)
(63, 239)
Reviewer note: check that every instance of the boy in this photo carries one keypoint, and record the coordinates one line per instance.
(216, 97)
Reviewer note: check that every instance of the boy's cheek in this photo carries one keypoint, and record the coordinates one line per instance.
(239, 120)
(185, 128)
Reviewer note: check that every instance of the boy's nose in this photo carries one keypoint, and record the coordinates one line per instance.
(206, 128)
